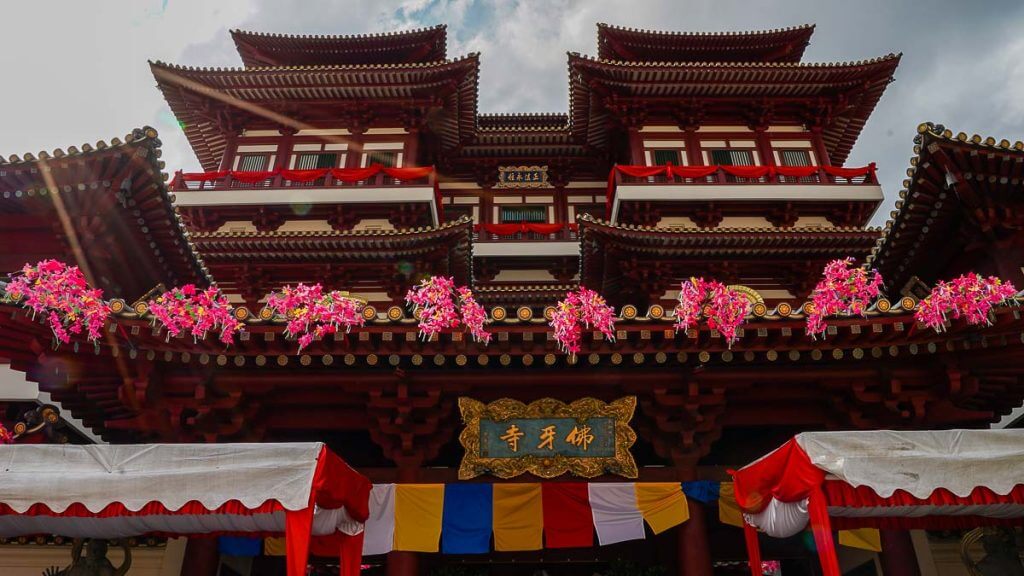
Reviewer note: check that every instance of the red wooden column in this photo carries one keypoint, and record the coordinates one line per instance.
(898, 557)
(201, 557)
(404, 563)
(694, 553)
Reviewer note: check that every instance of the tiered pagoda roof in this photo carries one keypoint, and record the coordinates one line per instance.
(307, 81)
(102, 207)
(621, 259)
(405, 47)
(962, 195)
(211, 103)
(632, 45)
(837, 97)
(254, 264)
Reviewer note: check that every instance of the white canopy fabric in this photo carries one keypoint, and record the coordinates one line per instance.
(171, 474)
(916, 462)
(919, 462)
(917, 479)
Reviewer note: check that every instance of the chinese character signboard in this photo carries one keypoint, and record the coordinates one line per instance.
(547, 438)
(522, 177)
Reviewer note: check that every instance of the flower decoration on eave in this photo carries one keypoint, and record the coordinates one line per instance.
(312, 313)
(439, 305)
(196, 311)
(971, 297)
(724, 308)
(5, 435)
(60, 293)
(581, 308)
(842, 291)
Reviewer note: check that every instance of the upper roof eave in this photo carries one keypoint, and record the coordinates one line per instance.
(146, 137)
(781, 44)
(256, 48)
(927, 134)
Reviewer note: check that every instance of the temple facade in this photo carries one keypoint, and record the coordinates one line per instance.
(362, 163)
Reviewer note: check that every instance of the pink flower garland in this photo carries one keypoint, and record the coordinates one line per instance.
(724, 307)
(970, 296)
(442, 306)
(842, 291)
(580, 308)
(312, 314)
(197, 311)
(61, 293)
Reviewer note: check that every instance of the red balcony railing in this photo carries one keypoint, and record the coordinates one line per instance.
(525, 232)
(705, 175)
(374, 175)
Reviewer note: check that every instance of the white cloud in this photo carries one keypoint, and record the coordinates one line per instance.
(84, 76)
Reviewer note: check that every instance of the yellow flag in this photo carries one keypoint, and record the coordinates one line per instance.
(274, 547)
(418, 511)
(662, 504)
(864, 538)
(518, 517)
(728, 510)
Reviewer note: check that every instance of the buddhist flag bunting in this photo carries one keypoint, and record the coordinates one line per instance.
(662, 504)
(568, 520)
(379, 533)
(466, 526)
(615, 512)
(863, 538)
(728, 510)
(518, 517)
(418, 512)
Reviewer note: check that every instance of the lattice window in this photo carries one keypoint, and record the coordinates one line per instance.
(795, 157)
(516, 214)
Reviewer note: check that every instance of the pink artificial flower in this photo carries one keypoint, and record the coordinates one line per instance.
(441, 306)
(311, 314)
(725, 309)
(61, 294)
(189, 309)
(970, 296)
(842, 291)
(581, 308)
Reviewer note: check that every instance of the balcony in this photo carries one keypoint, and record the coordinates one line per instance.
(525, 239)
(374, 184)
(750, 184)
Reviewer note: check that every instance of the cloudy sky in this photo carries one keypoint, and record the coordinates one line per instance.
(76, 71)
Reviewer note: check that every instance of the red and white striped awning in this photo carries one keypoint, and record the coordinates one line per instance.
(117, 491)
(922, 479)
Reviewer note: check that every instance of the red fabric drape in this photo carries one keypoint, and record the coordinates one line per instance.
(644, 171)
(253, 177)
(350, 554)
(408, 173)
(693, 171)
(850, 172)
(747, 171)
(304, 175)
(796, 171)
(116, 509)
(522, 227)
(355, 174)
(786, 474)
(821, 528)
(568, 519)
(841, 495)
(201, 176)
(753, 550)
(340, 174)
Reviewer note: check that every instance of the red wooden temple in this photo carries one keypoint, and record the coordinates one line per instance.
(310, 154)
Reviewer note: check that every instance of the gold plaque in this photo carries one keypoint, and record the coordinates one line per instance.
(547, 438)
